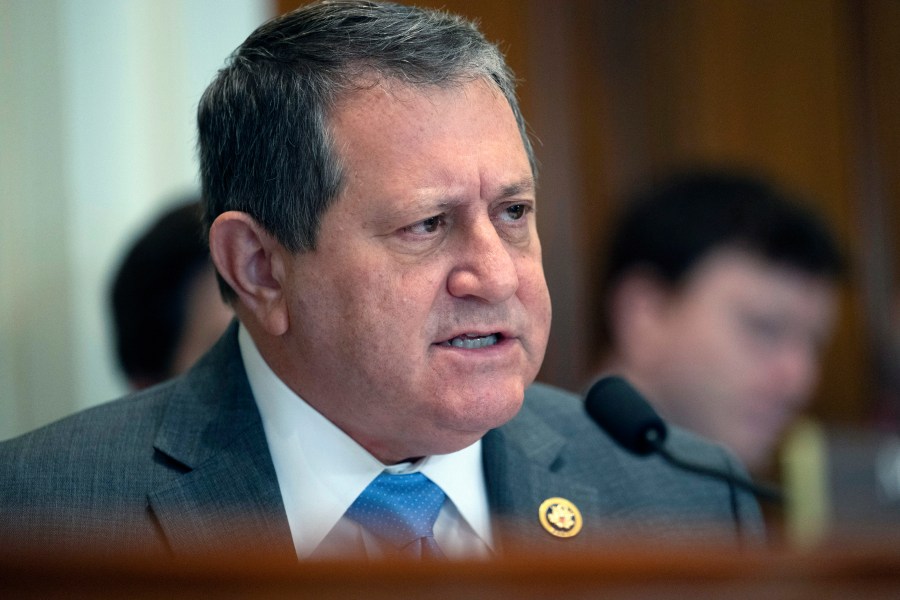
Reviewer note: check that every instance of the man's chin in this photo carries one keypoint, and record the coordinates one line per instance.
(490, 411)
(459, 431)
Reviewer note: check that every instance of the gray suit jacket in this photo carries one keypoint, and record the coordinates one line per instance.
(185, 468)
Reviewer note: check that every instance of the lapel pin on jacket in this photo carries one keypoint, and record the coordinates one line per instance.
(559, 517)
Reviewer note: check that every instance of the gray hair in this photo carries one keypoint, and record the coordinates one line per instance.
(264, 141)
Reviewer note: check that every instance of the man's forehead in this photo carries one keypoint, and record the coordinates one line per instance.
(433, 156)
(363, 84)
(751, 275)
(737, 257)
(392, 110)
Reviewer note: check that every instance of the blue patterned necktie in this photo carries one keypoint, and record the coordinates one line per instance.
(401, 510)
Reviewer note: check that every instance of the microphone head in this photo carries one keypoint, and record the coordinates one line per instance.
(625, 415)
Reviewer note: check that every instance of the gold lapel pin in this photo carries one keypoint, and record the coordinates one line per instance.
(559, 517)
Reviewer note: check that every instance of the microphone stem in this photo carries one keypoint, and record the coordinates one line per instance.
(762, 491)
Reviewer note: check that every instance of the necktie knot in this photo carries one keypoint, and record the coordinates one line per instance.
(400, 509)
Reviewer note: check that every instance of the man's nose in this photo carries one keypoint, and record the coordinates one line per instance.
(798, 369)
(485, 266)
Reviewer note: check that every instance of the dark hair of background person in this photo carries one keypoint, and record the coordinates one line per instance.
(150, 289)
(265, 146)
(667, 228)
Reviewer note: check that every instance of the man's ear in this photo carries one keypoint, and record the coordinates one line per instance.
(637, 308)
(252, 262)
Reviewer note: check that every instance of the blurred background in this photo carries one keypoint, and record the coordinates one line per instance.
(97, 103)
(97, 137)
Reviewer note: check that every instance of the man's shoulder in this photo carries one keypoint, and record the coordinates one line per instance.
(108, 440)
(90, 471)
(557, 411)
(552, 417)
(117, 429)
(542, 394)
(564, 412)
(100, 420)
(646, 489)
(554, 403)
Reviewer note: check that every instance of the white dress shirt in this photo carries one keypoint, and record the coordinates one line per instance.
(321, 470)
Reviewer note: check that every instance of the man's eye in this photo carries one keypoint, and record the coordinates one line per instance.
(514, 212)
(765, 329)
(429, 225)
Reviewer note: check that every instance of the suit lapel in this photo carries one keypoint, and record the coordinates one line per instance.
(526, 462)
(228, 495)
(519, 464)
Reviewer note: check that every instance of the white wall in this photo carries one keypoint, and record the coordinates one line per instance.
(97, 134)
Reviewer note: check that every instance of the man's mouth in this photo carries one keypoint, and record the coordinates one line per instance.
(473, 341)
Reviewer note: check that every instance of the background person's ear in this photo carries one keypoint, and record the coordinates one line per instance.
(251, 261)
(637, 309)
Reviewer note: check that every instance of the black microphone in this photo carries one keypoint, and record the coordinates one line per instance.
(628, 418)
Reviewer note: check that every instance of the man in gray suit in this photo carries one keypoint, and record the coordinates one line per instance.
(370, 193)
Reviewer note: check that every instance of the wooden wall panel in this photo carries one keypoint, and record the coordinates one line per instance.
(876, 86)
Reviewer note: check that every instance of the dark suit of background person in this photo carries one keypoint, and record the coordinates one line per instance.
(410, 311)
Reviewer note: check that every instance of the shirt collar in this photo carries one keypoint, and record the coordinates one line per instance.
(321, 470)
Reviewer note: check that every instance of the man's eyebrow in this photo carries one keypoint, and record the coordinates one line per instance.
(420, 206)
(514, 189)
(437, 199)
(430, 202)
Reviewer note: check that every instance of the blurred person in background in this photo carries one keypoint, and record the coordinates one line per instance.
(166, 307)
(717, 296)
